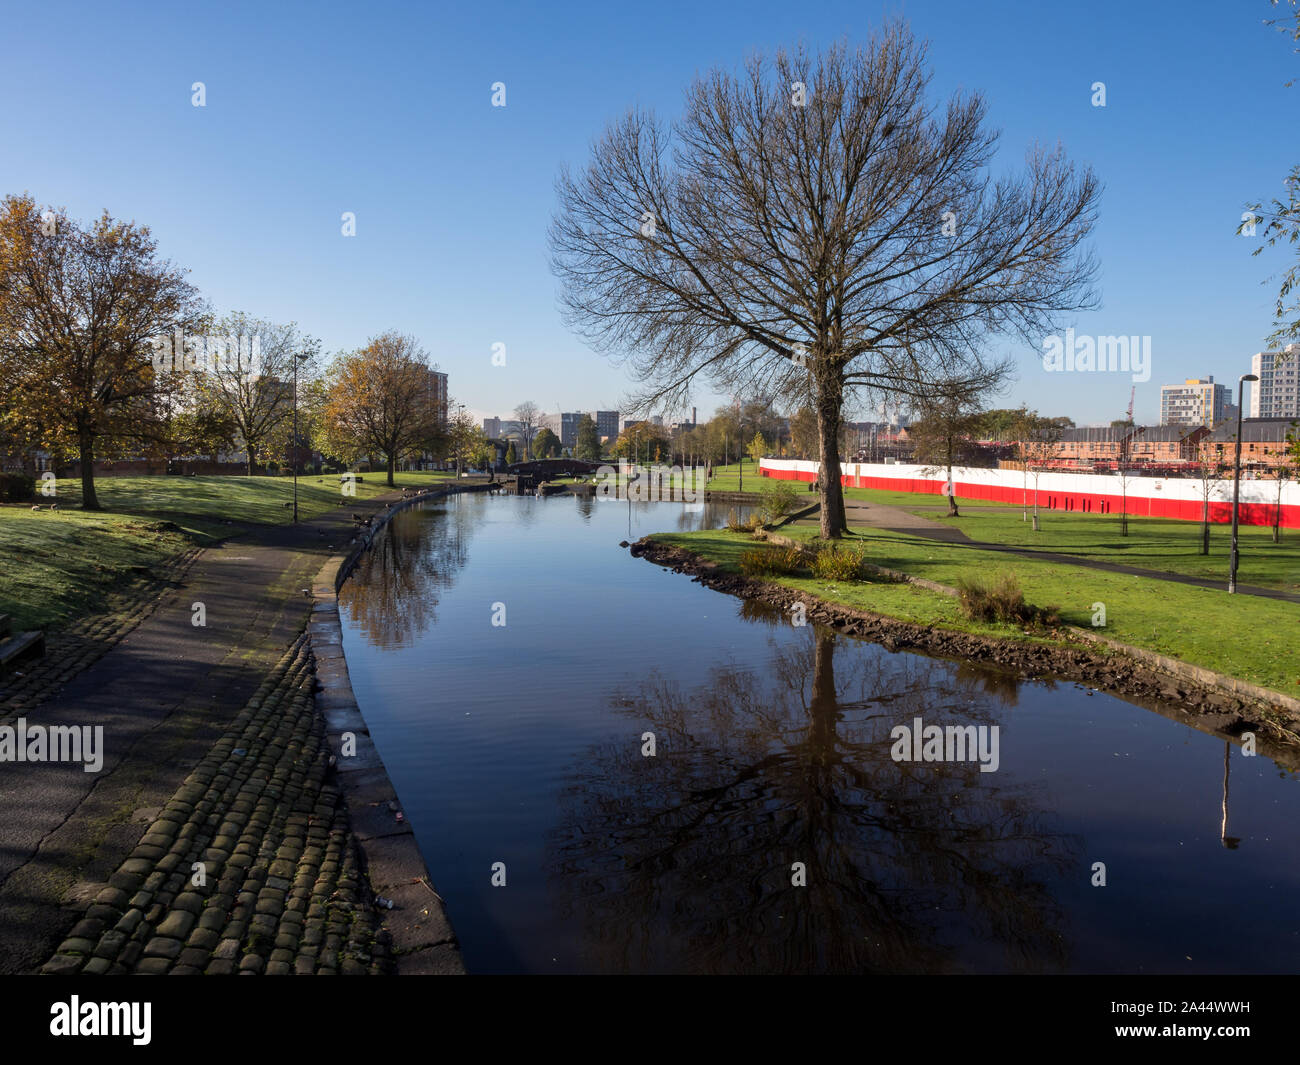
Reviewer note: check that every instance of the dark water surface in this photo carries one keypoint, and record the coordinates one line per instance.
(522, 744)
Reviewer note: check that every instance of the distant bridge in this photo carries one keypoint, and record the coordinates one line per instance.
(549, 469)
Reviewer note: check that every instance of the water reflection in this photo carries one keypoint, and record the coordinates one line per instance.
(393, 596)
(682, 861)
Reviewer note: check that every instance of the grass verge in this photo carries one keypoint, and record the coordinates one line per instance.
(59, 565)
(1241, 636)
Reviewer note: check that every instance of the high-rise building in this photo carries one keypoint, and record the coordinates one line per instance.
(438, 393)
(1277, 392)
(607, 423)
(569, 422)
(1194, 403)
(492, 428)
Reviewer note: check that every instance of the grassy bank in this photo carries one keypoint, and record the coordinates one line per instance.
(1242, 636)
(254, 500)
(1152, 543)
(56, 566)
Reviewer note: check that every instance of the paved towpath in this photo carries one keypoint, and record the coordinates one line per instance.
(163, 696)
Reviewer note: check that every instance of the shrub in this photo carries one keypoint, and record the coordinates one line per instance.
(16, 488)
(779, 498)
(833, 564)
(771, 562)
(749, 524)
(1000, 599)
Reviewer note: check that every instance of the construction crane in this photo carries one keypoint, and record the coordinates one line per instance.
(1131, 395)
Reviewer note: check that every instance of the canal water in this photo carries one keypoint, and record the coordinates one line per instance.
(772, 830)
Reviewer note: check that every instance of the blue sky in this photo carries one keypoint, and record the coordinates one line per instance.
(384, 110)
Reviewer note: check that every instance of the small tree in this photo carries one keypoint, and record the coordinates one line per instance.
(527, 414)
(546, 445)
(803, 432)
(757, 448)
(258, 396)
(1022, 425)
(587, 446)
(1042, 448)
(1285, 471)
(379, 398)
(511, 457)
(1122, 471)
(1209, 476)
(940, 438)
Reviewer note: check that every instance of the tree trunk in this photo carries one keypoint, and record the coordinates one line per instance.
(250, 461)
(1205, 529)
(86, 441)
(830, 395)
(392, 461)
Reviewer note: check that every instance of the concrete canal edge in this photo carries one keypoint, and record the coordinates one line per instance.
(423, 941)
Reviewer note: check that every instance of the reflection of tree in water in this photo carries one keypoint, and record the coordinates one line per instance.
(683, 861)
(393, 596)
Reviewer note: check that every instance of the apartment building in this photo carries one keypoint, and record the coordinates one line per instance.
(1195, 402)
(1277, 392)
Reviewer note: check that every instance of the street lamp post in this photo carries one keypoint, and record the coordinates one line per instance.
(293, 447)
(1236, 482)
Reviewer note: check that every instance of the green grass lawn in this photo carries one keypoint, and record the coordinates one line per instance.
(920, 500)
(1152, 543)
(258, 500)
(727, 478)
(1243, 636)
(55, 566)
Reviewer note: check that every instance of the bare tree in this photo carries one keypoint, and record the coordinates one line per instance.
(253, 386)
(1285, 471)
(815, 218)
(1209, 474)
(1042, 447)
(941, 437)
(1124, 474)
(527, 414)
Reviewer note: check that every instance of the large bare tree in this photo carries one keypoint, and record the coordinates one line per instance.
(816, 223)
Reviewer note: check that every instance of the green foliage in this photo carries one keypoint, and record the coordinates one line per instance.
(771, 562)
(779, 498)
(749, 524)
(588, 443)
(546, 445)
(833, 563)
(511, 457)
(1001, 599)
